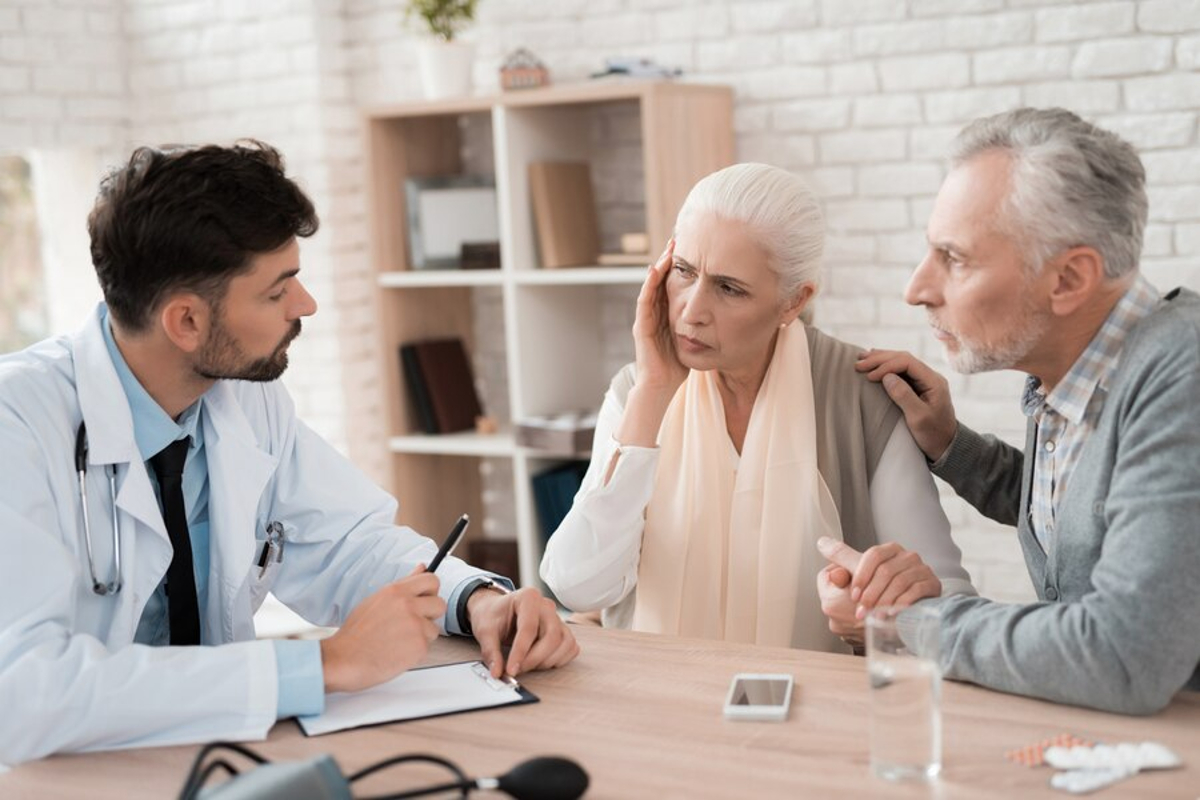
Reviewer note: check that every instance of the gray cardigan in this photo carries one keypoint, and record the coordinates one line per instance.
(1117, 625)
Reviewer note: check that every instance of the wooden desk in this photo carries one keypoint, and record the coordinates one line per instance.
(643, 715)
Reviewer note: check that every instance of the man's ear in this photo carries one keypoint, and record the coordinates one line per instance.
(186, 319)
(799, 301)
(1076, 275)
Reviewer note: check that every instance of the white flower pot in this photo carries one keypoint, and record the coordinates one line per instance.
(445, 68)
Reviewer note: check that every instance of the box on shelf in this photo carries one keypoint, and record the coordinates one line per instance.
(566, 435)
(446, 213)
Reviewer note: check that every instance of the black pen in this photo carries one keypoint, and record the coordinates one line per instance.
(447, 547)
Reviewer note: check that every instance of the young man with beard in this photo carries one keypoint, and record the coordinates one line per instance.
(1034, 244)
(156, 483)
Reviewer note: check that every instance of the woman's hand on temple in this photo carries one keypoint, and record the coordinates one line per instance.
(658, 367)
(659, 371)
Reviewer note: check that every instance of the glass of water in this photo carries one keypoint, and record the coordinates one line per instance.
(906, 689)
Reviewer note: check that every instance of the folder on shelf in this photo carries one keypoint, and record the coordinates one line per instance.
(420, 693)
(554, 491)
(441, 385)
(564, 213)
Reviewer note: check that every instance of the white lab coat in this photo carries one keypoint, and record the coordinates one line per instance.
(70, 676)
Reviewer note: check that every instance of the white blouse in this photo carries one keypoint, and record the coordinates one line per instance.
(591, 561)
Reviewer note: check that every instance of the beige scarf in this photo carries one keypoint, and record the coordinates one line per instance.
(729, 551)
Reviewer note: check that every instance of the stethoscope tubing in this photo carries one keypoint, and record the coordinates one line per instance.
(81, 456)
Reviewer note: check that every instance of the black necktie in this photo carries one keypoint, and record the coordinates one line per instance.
(181, 580)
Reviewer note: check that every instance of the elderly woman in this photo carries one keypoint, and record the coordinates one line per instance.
(739, 438)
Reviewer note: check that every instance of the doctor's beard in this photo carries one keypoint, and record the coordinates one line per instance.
(222, 358)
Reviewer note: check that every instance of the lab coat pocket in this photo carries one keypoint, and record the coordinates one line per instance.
(261, 580)
(265, 569)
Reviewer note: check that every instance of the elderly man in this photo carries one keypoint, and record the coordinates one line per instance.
(1032, 265)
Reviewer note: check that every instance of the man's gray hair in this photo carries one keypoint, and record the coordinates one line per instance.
(781, 211)
(1073, 184)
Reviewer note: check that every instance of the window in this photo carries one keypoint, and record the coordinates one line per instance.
(23, 318)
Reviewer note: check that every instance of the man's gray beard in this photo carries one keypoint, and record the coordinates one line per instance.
(971, 359)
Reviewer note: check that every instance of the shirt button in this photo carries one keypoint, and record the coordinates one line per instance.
(1051, 593)
(1049, 447)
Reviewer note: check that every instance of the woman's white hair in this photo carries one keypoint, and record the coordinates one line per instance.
(1073, 184)
(781, 212)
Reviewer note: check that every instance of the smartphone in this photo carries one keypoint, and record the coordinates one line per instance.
(759, 697)
(456, 534)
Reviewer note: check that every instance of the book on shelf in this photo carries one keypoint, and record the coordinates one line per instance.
(498, 556)
(441, 385)
(564, 213)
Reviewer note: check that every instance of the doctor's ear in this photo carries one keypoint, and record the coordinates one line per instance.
(186, 319)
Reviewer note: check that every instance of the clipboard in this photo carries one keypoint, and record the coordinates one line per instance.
(420, 693)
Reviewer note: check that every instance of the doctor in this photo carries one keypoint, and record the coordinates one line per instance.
(164, 415)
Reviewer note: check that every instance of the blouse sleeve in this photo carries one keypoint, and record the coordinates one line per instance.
(591, 561)
(906, 510)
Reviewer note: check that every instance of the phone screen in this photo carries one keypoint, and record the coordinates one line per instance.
(759, 692)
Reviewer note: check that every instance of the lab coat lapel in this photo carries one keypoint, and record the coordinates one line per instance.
(238, 472)
(109, 423)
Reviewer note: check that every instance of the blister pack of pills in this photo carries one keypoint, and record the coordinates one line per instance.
(1086, 769)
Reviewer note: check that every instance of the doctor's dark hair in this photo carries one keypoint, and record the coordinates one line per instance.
(190, 219)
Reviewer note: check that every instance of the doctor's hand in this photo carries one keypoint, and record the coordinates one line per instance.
(525, 621)
(384, 635)
(924, 398)
(885, 575)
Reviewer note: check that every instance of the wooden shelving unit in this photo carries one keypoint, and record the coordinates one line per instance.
(552, 325)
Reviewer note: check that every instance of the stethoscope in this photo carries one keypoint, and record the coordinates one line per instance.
(81, 458)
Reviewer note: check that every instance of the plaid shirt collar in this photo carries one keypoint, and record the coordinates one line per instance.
(1092, 370)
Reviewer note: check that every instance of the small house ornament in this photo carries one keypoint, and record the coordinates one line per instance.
(523, 70)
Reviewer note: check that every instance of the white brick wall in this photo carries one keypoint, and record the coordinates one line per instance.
(61, 75)
(861, 95)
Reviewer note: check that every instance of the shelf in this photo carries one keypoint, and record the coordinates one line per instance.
(568, 276)
(415, 279)
(474, 104)
(542, 343)
(455, 444)
(560, 94)
(576, 276)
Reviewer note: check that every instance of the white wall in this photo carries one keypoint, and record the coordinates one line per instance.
(64, 182)
(861, 95)
(62, 80)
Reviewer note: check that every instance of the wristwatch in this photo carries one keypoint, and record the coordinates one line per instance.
(464, 619)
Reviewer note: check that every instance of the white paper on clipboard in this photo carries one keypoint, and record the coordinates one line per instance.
(416, 694)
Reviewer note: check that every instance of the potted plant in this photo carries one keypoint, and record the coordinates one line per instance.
(445, 62)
